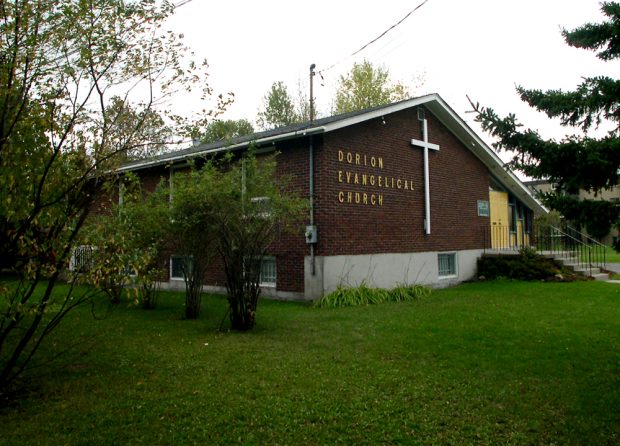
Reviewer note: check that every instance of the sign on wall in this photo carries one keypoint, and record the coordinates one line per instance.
(363, 181)
(483, 208)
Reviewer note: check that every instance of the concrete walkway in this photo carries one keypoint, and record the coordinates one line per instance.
(614, 267)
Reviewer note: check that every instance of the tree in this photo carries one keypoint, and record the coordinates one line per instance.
(257, 208)
(143, 133)
(226, 130)
(233, 208)
(60, 63)
(194, 199)
(577, 162)
(367, 86)
(278, 108)
(127, 243)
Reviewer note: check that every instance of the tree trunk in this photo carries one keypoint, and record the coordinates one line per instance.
(193, 298)
(242, 312)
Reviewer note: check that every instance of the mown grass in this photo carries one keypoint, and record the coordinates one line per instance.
(486, 363)
(611, 255)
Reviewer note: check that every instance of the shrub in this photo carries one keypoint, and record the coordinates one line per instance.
(527, 265)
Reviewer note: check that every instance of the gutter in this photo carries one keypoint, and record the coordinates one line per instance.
(269, 139)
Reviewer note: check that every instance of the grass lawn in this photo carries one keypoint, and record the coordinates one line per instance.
(486, 363)
(611, 255)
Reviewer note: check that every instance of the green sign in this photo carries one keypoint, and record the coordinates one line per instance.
(483, 208)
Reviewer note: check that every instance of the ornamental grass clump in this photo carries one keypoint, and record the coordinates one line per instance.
(365, 295)
(405, 292)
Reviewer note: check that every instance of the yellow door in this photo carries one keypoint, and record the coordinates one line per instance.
(500, 226)
(520, 240)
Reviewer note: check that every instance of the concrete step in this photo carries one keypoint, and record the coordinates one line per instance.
(566, 261)
(573, 264)
(586, 271)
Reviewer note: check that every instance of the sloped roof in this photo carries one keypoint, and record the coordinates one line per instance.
(433, 102)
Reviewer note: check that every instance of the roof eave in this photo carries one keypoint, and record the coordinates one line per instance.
(225, 148)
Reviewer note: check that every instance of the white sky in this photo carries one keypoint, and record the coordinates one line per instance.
(480, 48)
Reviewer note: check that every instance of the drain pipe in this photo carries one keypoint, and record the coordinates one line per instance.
(311, 231)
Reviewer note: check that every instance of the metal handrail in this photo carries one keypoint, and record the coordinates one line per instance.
(599, 247)
(587, 255)
(548, 240)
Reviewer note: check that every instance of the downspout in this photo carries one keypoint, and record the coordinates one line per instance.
(311, 172)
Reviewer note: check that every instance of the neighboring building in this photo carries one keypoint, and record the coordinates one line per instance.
(539, 186)
(374, 221)
(613, 195)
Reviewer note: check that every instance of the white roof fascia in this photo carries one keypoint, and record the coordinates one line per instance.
(384, 111)
(150, 163)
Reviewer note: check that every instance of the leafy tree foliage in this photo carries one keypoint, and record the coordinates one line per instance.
(577, 162)
(234, 209)
(61, 133)
(143, 132)
(279, 108)
(258, 208)
(194, 199)
(367, 86)
(127, 243)
(226, 130)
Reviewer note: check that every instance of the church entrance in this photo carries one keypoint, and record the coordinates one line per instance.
(499, 219)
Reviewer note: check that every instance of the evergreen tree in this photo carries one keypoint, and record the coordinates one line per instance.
(577, 163)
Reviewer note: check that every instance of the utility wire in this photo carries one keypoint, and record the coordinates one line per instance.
(376, 38)
(76, 50)
(181, 3)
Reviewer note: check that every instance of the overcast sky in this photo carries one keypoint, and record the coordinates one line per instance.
(480, 48)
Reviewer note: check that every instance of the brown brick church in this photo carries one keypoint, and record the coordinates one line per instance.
(403, 193)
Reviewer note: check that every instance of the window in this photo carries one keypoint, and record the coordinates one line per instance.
(177, 264)
(262, 205)
(268, 271)
(446, 263)
(82, 259)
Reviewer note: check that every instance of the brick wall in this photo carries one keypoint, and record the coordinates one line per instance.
(291, 247)
(395, 222)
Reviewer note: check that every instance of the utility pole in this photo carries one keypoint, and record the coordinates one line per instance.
(312, 92)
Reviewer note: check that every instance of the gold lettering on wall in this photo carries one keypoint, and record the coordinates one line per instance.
(366, 180)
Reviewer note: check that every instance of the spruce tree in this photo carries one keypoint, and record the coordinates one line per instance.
(576, 163)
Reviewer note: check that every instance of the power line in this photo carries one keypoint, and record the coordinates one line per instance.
(181, 3)
(376, 38)
(76, 50)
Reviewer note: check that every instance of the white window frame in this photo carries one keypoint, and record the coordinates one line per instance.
(452, 274)
(262, 281)
(176, 256)
(84, 262)
(265, 205)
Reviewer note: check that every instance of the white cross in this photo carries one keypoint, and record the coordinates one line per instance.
(427, 193)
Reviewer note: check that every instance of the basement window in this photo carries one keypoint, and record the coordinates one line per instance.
(177, 265)
(447, 265)
(268, 274)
